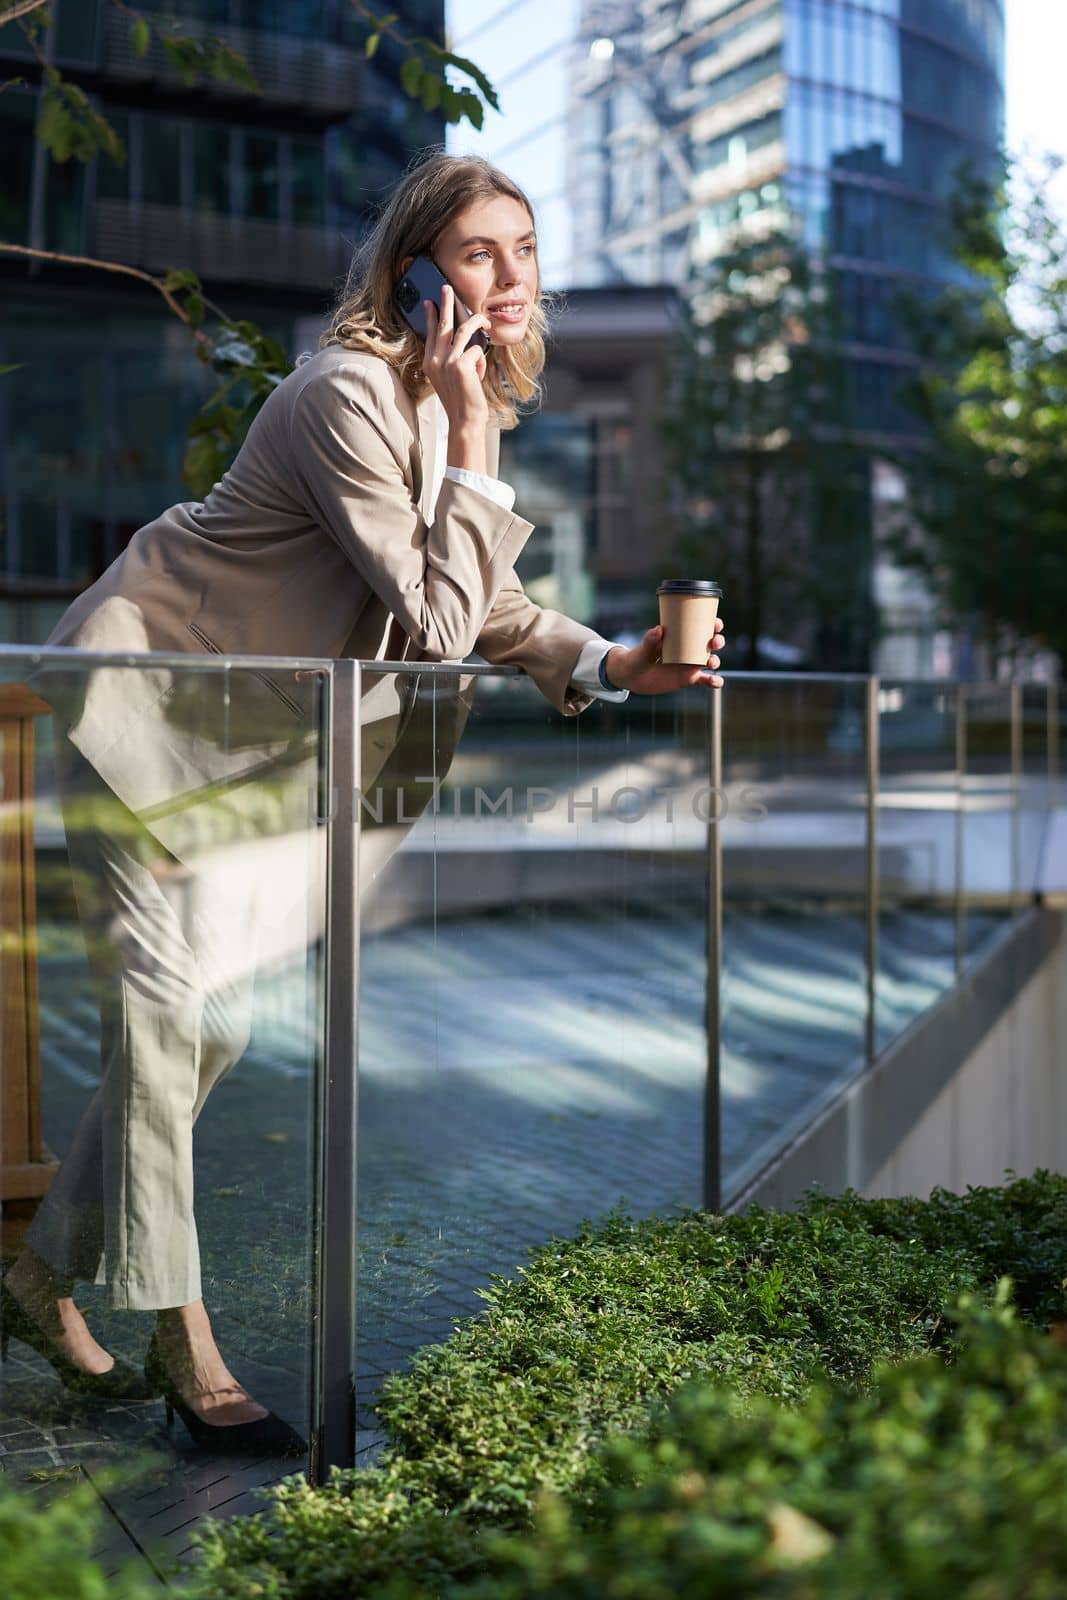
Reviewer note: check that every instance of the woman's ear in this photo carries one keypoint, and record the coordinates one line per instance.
(405, 264)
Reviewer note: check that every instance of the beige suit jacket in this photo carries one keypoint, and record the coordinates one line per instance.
(316, 542)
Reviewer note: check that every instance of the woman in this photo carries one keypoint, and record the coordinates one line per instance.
(360, 518)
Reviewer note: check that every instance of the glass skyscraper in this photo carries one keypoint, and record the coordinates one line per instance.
(262, 194)
(854, 116)
(649, 132)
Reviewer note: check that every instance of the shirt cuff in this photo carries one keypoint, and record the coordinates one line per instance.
(501, 493)
(586, 675)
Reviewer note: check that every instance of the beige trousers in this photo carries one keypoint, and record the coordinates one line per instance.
(173, 961)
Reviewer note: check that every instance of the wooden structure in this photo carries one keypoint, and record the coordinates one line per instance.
(26, 1167)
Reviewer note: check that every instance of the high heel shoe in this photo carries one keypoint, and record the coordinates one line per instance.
(268, 1436)
(121, 1382)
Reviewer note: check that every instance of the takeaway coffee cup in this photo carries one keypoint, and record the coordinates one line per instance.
(688, 608)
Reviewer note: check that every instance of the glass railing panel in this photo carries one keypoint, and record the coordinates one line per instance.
(989, 864)
(1036, 780)
(794, 831)
(532, 1048)
(162, 911)
(919, 825)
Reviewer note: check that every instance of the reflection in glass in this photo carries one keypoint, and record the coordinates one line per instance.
(169, 930)
(532, 986)
(990, 848)
(1036, 797)
(918, 836)
(794, 979)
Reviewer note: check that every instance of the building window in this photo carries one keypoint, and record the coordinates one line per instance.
(17, 117)
(261, 177)
(161, 161)
(64, 212)
(210, 168)
(113, 177)
(733, 148)
(308, 180)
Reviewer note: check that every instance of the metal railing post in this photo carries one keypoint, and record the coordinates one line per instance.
(334, 1342)
(1015, 893)
(713, 977)
(1052, 740)
(873, 889)
(961, 819)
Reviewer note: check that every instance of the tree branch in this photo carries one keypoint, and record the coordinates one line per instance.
(20, 9)
(109, 266)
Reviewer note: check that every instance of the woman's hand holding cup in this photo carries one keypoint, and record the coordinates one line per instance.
(642, 669)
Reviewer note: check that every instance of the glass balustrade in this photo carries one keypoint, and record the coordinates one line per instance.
(794, 985)
(463, 956)
(919, 825)
(162, 893)
(989, 859)
(532, 1043)
(1037, 711)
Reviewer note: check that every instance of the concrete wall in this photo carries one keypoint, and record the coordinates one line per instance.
(1006, 1107)
(976, 1086)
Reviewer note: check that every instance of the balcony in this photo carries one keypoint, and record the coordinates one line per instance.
(646, 962)
(235, 249)
(322, 79)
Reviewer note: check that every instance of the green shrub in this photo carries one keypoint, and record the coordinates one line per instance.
(1019, 1232)
(745, 1321)
(45, 1546)
(946, 1482)
(577, 1346)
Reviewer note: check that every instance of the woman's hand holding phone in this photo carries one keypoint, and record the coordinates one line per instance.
(456, 369)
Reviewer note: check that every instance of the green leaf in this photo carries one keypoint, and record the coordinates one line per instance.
(474, 72)
(180, 278)
(140, 38)
(373, 41)
(185, 57)
(226, 65)
(432, 86)
(411, 76)
(12, 366)
(204, 464)
(472, 108)
(69, 126)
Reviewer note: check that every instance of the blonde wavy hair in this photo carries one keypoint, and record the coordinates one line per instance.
(427, 199)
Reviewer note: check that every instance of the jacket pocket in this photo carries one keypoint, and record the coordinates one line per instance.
(276, 689)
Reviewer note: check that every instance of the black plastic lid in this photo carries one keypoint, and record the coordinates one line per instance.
(703, 586)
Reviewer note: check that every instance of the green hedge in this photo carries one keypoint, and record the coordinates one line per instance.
(749, 1319)
(47, 1533)
(944, 1483)
(596, 1331)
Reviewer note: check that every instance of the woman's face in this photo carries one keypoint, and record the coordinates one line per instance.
(489, 256)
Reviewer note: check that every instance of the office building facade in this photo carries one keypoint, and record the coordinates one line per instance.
(264, 195)
(852, 116)
(689, 120)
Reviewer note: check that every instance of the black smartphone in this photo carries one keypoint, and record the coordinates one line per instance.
(424, 281)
